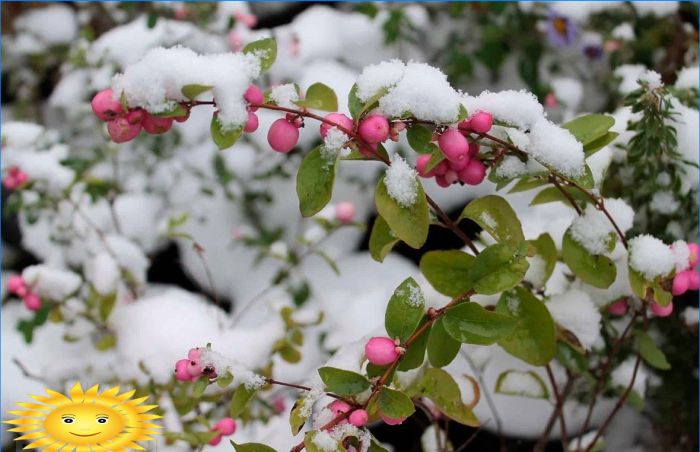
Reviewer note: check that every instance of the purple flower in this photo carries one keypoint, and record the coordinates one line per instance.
(561, 31)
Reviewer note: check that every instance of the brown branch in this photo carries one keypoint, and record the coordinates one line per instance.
(567, 195)
(559, 406)
(542, 441)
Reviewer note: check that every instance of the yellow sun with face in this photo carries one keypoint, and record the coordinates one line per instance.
(85, 421)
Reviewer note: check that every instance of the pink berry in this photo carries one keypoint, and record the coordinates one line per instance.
(441, 168)
(136, 116)
(249, 20)
(453, 145)
(121, 131)
(32, 301)
(451, 176)
(481, 122)
(680, 283)
(381, 351)
(181, 372)
(156, 125)
(16, 178)
(458, 165)
(693, 279)
(374, 129)
(279, 405)
(184, 117)
(465, 125)
(194, 354)
(105, 106)
(339, 119)
(368, 150)
(392, 421)
(225, 426)
(473, 149)
(251, 125)
(254, 95)
(15, 283)
(358, 418)
(194, 368)
(216, 440)
(422, 164)
(661, 311)
(344, 211)
(282, 136)
(474, 173)
(339, 407)
(235, 42)
(694, 253)
(618, 308)
(442, 181)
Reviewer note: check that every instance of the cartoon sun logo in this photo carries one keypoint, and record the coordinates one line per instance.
(85, 421)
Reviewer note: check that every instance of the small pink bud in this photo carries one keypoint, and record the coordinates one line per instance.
(694, 253)
(481, 122)
(194, 368)
(15, 284)
(344, 212)
(392, 421)
(661, 311)
(339, 119)
(251, 125)
(453, 145)
(550, 100)
(226, 426)
(374, 129)
(282, 136)
(680, 283)
(339, 407)
(216, 440)
(32, 301)
(181, 372)
(618, 308)
(693, 279)
(156, 125)
(474, 173)
(105, 106)
(235, 42)
(194, 354)
(254, 95)
(121, 131)
(358, 418)
(279, 405)
(442, 181)
(381, 351)
(249, 20)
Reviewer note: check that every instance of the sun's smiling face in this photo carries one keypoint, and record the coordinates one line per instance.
(84, 424)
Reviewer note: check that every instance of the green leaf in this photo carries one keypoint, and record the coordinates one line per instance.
(527, 183)
(547, 251)
(442, 348)
(343, 382)
(239, 400)
(405, 310)
(598, 271)
(225, 380)
(193, 90)
(586, 180)
(420, 139)
(415, 354)
(470, 323)
(589, 128)
(106, 305)
(265, 49)
(447, 271)
(251, 447)
(177, 110)
(552, 194)
(650, 352)
(223, 139)
(528, 384)
(436, 157)
(297, 418)
(106, 342)
(354, 102)
(395, 404)
(409, 223)
(496, 217)
(320, 97)
(381, 240)
(440, 387)
(315, 180)
(311, 446)
(599, 143)
(200, 386)
(534, 338)
(499, 267)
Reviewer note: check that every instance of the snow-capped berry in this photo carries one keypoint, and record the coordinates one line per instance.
(693, 279)
(661, 311)
(344, 212)
(453, 145)
(16, 285)
(194, 368)
(282, 136)
(473, 149)
(474, 173)
(381, 351)
(105, 106)
(194, 354)
(374, 129)
(251, 125)
(226, 426)
(254, 95)
(32, 301)
(339, 407)
(680, 283)
(618, 308)
(358, 418)
(155, 125)
(136, 115)
(337, 118)
(181, 372)
(694, 253)
(392, 421)
(216, 440)
(481, 122)
(441, 181)
(121, 131)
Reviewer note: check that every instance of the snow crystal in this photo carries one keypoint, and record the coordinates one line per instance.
(536, 271)
(17, 134)
(622, 376)
(332, 144)
(575, 311)
(624, 32)
(488, 220)
(521, 383)
(664, 202)
(519, 108)
(663, 179)
(242, 375)
(686, 125)
(54, 25)
(345, 430)
(690, 316)
(307, 403)
(156, 80)
(629, 73)
(324, 441)
(681, 254)
(556, 147)
(653, 78)
(103, 273)
(687, 78)
(415, 296)
(592, 229)
(400, 181)
(285, 95)
(569, 91)
(511, 167)
(650, 256)
(129, 256)
(415, 88)
(52, 283)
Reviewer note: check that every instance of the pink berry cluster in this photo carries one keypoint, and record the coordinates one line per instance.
(253, 95)
(192, 368)
(358, 416)
(124, 126)
(225, 427)
(687, 278)
(17, 286)
(14, 178)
